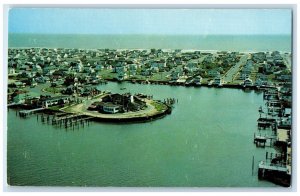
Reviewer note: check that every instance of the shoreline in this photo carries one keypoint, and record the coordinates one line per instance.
(158, 82)
(148, 49)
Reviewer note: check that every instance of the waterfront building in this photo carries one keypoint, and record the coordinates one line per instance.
(52, 101)
(248, 82)
(121, 76)
(218, 81)
(258, 82)
(108, 107)
(213, 73)
(198, 80)
(21, 98)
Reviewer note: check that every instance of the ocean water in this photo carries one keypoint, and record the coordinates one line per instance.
(201, 42)
(207, 141)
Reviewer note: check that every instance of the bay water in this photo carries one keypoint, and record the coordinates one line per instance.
(207, 141)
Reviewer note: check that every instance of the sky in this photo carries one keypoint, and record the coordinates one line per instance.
(150, 21)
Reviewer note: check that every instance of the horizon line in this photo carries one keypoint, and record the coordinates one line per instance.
(146, 34)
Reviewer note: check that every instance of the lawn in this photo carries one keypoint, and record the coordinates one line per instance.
(159, 106)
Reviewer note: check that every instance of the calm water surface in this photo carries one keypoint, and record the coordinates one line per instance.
(197, 42)
(205, 142)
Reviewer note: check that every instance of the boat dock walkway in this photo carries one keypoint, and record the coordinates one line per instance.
(261, 141)
(13, 104)
(25, 113)
(66, 120)
(263, 166)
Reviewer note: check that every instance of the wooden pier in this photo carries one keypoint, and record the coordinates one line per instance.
(25, 113)
(66, 120)
(13, 104)
(260, 141)
(266, 123)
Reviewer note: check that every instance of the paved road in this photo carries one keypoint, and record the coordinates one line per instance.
(229, 76)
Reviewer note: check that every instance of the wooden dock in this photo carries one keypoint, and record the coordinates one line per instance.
(66, 120)
(25, 113)
(266, 123)
(13, 104)
(261, 141)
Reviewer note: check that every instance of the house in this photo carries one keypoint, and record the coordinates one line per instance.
(98, 67)
(284, 77)
(58, 74)
(259, 57)
(40, 79)
(89, 91)
(26, 74)
(218, 81)
(154, 69)
(198, 80)
(88, 69)
(213, 73)
(69, 90)
(258, 82)
(244, 76)
(37, 68)
(21, 98)
(52, 101)
(78, 67)
(120, 67)
(132, 69)
(121, 76)
(246, 72)
(248, 82)
(146, 72)
(174, 75)
(19, 84)
(158, 65)
(208, 60)
(48, 71)
(108, 107)
(11, 71)
(261, 76)
(191, 67)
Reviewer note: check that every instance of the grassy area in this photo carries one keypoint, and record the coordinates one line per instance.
(68, 109)
(159, 106)
(107, 74)
(161, 76)
(271, 77)
(55, 108)
(52, 89)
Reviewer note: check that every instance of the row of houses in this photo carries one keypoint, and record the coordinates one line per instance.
(36, 100)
